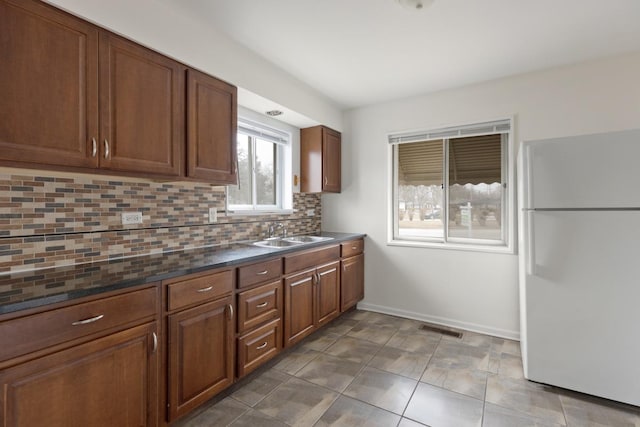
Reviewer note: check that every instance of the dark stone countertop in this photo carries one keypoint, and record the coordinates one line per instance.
(37, 288)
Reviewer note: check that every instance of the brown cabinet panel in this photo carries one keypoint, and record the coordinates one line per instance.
(353, 247)
(259, 272)
(48, 86)
(299, 300)
(311, 258)
(328, 285)
(259, 305)
(141, 109)
(111, 381)
(201, 354)
(201, 288)
(352, 289)
(320, 160)
(211, 133)
(258, 346)
(65, 324)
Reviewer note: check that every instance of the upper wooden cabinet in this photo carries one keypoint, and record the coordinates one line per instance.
(76, 97)
(211, 129)
(141, 109)
(48, 86)
(320, 160)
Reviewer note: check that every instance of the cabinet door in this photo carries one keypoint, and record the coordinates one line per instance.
(299, 299)
(352, 289)
(141, 109)
(48, 86)
(328, 297)
(111, 381)
(211, 132)
(200, 354)
(331, 161)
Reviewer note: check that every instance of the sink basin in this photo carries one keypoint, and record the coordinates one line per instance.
(277, 242)
(307, 239)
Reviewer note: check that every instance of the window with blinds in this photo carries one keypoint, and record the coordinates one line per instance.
(450, 185)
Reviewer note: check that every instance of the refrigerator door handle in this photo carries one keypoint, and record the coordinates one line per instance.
(531, 247)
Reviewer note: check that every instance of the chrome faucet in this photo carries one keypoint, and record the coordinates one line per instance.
(274, 226)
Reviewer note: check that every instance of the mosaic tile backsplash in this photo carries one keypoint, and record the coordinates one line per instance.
(49, 221)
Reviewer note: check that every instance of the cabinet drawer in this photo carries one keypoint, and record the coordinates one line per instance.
(258, 346)
(307, 259)
(199, 289)
(352, 247)
(259, 272)
(259, 305)
(42, 330)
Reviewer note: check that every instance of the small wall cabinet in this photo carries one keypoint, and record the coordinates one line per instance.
(320, 164)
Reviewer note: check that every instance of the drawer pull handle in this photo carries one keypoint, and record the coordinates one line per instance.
(262, 273)
(89, 320)
(207, 289)
(262, 304)
(106, 148)
(261, 346)
(354, 247)
(230, 311)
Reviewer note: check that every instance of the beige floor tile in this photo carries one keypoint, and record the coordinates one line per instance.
(459, 355)
(347, 412)
(255, 418)
(260, 386)
(496, 416)
(589, 411)
(221, 414)
(535, 400)
(400, 362)
(319, 341)
(330, 371)
(378, 334)
(295, 360)
(297, 402)
(415, 341)
(340, 326)
(406, 422)
(470, 382)
(510, 365)
(434, 406)
(353, 349)
(382, 389)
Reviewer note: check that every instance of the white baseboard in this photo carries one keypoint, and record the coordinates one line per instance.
(473, 327)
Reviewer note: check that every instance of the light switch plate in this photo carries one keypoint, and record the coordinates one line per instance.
(129, 218)
(213, 215)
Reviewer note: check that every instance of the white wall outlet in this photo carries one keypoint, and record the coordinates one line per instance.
(311, 212)
(131, 218)
(213, 215)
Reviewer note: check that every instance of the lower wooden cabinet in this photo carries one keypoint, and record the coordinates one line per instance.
(258, 346)
(312, 298)
(201, 354)
(352, 289)
(110, 381)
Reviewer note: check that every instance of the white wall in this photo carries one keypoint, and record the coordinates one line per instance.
(168, 27)
(473, 290)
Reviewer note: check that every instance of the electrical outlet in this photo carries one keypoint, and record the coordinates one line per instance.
(131, 218)
(311, 212)
(213, 215)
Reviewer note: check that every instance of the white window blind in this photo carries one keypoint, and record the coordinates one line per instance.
(499, 126)
(263, 132)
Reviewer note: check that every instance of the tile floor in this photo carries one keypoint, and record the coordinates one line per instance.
(370, 369)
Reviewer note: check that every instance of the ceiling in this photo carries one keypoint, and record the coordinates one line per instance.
(362, 52)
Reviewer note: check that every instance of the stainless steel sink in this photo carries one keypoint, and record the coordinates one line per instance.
(276, 242)
(307, 239)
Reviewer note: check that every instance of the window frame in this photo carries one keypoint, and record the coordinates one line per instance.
(507, 244)
(282, 141)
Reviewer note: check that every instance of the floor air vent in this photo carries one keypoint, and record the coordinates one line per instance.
(441, 331)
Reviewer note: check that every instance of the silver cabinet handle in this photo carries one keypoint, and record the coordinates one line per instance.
(230, 311)
(89, 320)
(326, 180)
(155, 342)
(261, 346)
(262, 273)
(262, 304)
(94, 147)
(354, 247)
(106, 148)
(207, 289)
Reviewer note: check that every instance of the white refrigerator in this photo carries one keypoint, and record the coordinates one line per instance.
(579, 241)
